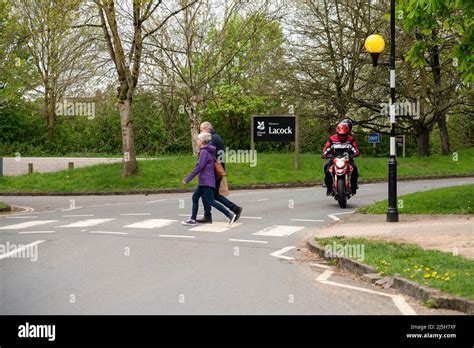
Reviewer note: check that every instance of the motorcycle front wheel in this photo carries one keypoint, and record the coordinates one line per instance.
(341, 192)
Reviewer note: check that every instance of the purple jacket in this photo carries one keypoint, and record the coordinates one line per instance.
(204, 167)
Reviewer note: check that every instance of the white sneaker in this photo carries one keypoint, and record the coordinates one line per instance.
(232, 219)
(189, 222)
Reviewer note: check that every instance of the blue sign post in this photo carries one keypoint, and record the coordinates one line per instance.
(374, 138)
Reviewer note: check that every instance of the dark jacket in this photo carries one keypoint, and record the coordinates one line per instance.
(216, 140)
(204, 167)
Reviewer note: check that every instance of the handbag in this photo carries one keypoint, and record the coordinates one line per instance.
(219, 169)
(224, 187)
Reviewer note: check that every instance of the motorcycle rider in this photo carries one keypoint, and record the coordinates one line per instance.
(342, 141)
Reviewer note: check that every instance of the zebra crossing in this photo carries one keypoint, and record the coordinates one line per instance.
(147, 224)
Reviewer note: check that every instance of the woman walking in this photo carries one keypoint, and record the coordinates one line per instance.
(207, 180)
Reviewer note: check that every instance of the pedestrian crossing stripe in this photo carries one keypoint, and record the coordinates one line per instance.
(214, 227)
(27, 224)
(152, 223)
(87, 223)
(278, 231)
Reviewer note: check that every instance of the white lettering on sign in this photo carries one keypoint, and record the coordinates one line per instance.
(287, 130)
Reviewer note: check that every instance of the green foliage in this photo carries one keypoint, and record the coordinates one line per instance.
(451, 200)
(428, 18)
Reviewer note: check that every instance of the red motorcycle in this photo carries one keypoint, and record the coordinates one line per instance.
(341, 172)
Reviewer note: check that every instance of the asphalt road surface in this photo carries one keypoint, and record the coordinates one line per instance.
(131, 255)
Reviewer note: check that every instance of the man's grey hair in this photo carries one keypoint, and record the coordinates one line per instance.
(207, 125)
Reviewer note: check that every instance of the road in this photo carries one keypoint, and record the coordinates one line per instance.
(131, 255)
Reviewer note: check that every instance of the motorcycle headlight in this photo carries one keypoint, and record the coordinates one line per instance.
(340, 163)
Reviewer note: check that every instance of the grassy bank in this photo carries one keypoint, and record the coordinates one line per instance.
(168, 172)
(3, 205)
(449, 200)
(444, 271)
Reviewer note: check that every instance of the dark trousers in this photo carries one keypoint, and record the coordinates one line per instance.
(207, 194)
(328, 176)
(219, 198)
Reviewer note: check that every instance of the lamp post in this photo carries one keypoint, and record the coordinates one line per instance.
(375, 45)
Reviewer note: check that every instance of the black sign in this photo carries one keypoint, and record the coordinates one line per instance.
(274, 128)
(399, 140)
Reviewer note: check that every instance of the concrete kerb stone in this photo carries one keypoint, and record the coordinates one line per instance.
(407, 287)
(5, 209)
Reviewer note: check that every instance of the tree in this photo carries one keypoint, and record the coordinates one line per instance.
(429, 18)
(199, 48)
(332, 76)
(60, 53)
(115, 24)
(439, 30)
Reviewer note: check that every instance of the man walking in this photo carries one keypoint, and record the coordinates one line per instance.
(216, 141)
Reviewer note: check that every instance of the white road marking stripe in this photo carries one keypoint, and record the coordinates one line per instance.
(335, 218)
(214, 227)
(320, 265)
(278, 231)
(354, 288)
(34, 232)
(159, 200)
(242, 217)
(27, 224)
(279, 253)
(17, 250)
(87, 223)
(403, 306)
(107, 232)
(175, 236)
(398, 300)
(325, 275)
(136, 214)
(249, 241)
(307, 220)
(152, 223)
(21, 217)
(79, 215)
(262, 200)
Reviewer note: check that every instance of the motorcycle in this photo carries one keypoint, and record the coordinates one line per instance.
(341, 172)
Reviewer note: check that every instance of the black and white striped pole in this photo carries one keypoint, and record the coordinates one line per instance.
(375, 45)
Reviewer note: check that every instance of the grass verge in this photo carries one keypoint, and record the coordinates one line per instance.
(444, 271)
(3, 205)
(449, 200)
(168, 172)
